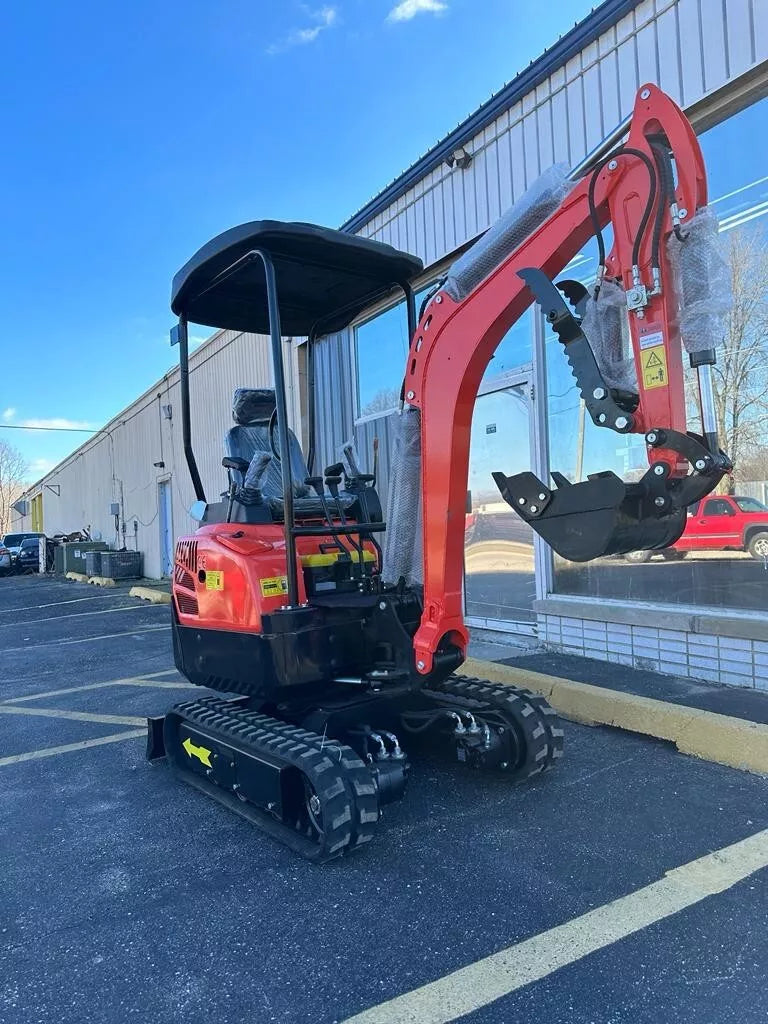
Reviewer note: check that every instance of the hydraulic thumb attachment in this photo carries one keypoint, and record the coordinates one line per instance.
(603, 515)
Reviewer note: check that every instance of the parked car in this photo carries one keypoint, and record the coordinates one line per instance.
(5, 560)
(723, 522)
(28, 558)
(12, 541)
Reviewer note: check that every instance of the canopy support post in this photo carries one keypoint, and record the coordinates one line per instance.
(180, 337)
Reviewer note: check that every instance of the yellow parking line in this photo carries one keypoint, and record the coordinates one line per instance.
(74, 716)
(66, 748)
(150, 680)
(487, 980)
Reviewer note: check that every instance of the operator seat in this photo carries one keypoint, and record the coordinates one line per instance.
(252, 410)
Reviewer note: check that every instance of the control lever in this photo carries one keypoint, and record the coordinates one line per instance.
(354, 474)
(332, 481)
(316, 483)
(249, 492)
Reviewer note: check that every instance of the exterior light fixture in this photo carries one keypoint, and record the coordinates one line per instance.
(167, 411)
(460, 158)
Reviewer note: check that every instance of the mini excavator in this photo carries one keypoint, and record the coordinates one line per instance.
(335, 644)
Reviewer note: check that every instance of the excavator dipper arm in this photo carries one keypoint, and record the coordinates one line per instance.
(634, 190)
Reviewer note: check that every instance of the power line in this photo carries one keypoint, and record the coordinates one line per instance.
(68, 430)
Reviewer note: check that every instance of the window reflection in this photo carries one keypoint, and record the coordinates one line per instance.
(722, 557)
(381, 345)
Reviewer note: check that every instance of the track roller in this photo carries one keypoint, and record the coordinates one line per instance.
(314, 795)
(515, 730)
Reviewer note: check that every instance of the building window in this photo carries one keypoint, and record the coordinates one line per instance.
(710, 565)
(382, 350)
(514, 350)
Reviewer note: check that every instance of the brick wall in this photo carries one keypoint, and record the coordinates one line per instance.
(736, 661)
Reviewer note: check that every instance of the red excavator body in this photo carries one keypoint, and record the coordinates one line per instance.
(340, 647)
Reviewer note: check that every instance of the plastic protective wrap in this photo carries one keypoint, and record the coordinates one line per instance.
(251, 493)
(510, 230)
(606, 330)
(252, 405)
(403, 541)
(703, 282)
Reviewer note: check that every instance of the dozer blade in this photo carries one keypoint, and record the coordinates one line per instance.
(599, 516)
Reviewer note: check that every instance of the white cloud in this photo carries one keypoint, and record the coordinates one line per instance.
(408, 9)
(323, 18)
(39, 467)
(9, 414)
(57, 423)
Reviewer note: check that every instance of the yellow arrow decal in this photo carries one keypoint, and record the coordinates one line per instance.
(203, 755)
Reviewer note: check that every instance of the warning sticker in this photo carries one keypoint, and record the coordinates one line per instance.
(654, 363)
(274, 586)
(651, 340)
(214, 580)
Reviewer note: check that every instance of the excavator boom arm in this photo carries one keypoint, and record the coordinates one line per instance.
(455, 340)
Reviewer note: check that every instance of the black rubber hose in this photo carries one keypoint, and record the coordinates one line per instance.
(624, 151)
(648, 206)
(666, 177)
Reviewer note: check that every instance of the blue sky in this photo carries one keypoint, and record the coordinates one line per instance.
(134, 132)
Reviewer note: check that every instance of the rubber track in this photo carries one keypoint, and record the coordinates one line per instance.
(344, 784)
(535, 720)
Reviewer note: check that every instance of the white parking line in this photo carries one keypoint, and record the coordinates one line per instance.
(85, 639)
(66, 748)
(504, 972)
(73, 716)
(55, 604)
(150, 681)
(75, 615)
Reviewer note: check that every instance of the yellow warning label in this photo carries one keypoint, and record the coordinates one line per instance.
(654, 363)
(274, 586)
(214, 580)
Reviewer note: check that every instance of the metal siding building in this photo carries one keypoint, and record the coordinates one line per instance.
(549, 114)
(117, 464)
(711, 56)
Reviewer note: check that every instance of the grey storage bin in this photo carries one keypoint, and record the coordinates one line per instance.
(70, 556)
(93, 563)
(121, 565)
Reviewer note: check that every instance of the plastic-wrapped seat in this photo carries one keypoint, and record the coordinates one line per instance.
(252, 410)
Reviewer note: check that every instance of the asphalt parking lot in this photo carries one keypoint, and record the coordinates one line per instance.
(127, 896)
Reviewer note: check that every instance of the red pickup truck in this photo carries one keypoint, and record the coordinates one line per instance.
(719, 523)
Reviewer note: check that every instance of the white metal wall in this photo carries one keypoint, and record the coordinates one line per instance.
(117, 464)
(690, 48)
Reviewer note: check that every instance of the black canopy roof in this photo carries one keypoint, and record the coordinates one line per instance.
(322, 275)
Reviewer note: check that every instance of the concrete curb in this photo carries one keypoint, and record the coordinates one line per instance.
(151, 595)
(720, 738)
(102, 581)
(78, 577)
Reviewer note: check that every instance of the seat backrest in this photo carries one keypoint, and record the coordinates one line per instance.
(252, 409)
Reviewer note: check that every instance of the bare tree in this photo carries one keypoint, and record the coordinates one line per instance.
(741, 374)
(13, 469)
(383, 401)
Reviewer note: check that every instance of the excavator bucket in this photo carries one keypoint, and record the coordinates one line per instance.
(600, 516)
(603, 515)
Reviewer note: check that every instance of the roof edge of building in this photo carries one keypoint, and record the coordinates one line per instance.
(582, 34)
(119, 417)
